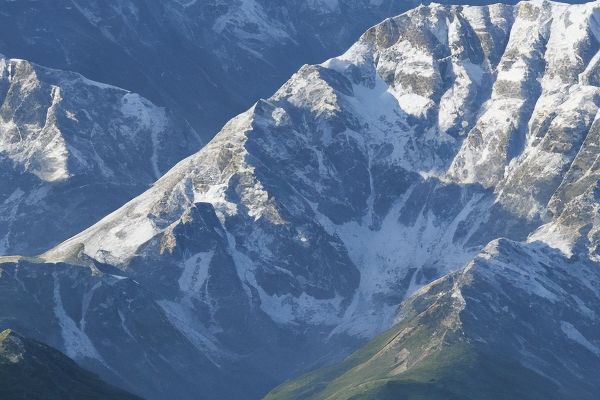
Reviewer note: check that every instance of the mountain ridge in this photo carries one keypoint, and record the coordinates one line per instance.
(472, 335)
(191, 57)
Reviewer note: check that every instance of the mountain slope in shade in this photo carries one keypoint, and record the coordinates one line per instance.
(298, 230)
(519, 321)
(72, 150)
(31, 370)
(137, 339)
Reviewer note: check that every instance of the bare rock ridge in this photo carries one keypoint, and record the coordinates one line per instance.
(205, 60)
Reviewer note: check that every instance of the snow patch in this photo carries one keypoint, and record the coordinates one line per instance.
(195, 272)
(551, 235)
(576, 336)
(76, 342)
(149, 118)
(184, 320)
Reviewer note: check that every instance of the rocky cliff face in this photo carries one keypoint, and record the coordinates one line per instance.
(205, 60)
(194, 58)
(73, 150)
(310, 217)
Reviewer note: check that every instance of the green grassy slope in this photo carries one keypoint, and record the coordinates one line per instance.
(425, 357)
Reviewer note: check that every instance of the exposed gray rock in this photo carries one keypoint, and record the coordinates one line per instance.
(205, 60)
(73, 150)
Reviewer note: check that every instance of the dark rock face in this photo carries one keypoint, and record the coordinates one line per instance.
(296, 233)
(32, 370)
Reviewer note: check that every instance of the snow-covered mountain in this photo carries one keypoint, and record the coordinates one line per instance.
(297, 232)
(73, 150)
(194, 58)
(205, 60)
